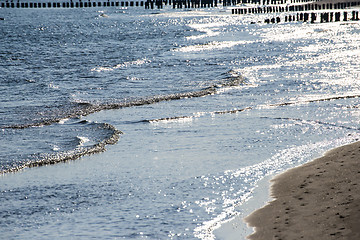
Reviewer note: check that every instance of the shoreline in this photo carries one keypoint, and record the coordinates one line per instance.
(317, 200)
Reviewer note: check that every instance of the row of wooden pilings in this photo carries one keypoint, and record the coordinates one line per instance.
(275, 2)
(147, 3)
(182, 3)
(214, 3)
(263, 2)
(85, 4)
(187, 4)
(69, 4)
(295, 8)
(313, 17)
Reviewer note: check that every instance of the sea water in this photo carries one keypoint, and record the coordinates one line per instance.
(126, 123)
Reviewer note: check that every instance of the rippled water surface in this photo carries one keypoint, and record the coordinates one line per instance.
(194, 109)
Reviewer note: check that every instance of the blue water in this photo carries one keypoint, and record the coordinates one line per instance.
(166, 120)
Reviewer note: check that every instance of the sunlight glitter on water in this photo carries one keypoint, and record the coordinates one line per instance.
(210, 46)
(215, 104)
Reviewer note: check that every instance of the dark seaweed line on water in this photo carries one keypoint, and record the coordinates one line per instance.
(49, 159)
(250, 108)
(88, 108)
(85, 109)
(291, 103)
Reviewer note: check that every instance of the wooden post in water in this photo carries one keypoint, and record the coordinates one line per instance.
(353, 16)
(313, 17)
(306, 17)
(337, 16)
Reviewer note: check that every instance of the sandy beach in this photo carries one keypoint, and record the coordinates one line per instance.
(318, 200)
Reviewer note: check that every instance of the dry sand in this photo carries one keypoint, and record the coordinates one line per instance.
(318, 200)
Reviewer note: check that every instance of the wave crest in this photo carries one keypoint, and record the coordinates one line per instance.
(106, 134)
(121, 65)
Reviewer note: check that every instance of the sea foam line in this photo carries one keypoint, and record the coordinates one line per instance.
(48, 159)
(167, 119)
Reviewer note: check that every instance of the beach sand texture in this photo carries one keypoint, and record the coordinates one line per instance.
(318, 200)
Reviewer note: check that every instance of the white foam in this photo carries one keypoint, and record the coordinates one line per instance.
(121, 65)
(173, 120)
(55, 148)
(83, 140)
(62, 121)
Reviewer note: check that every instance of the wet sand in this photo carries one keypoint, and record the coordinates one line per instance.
(318, 200)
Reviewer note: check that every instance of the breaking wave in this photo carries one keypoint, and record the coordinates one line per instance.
(85, 108)
(64, 122)
(95, 137)
(232, 111)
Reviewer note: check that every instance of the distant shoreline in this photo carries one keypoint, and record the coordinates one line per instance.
(318, 200)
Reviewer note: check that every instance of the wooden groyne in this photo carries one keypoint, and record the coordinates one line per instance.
(313, 17)
(71, 4)
(261, 6)
(148, 4)
(181, 3)
(294, 8)
(306, 11)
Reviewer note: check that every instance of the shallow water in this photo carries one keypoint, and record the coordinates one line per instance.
(205, 106)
